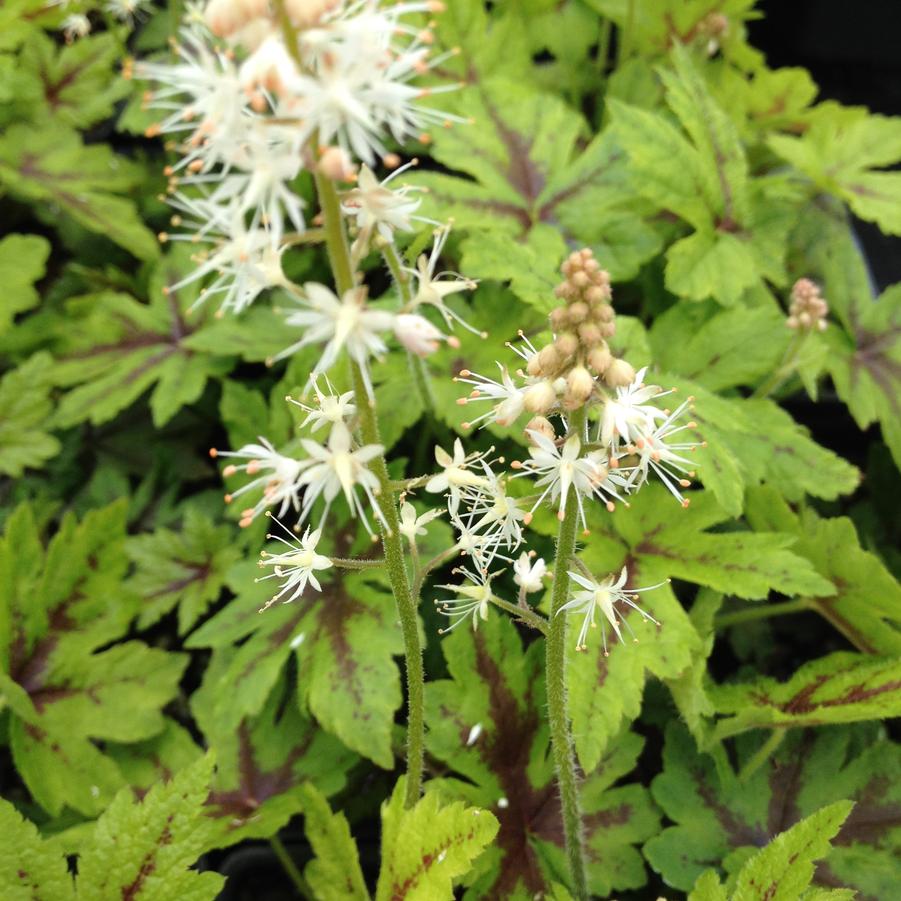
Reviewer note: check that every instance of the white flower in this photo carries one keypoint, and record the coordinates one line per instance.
(418, 335)
(605, 595)
(456, 474)
(507, 396)
(627, 417)
(482, 547)
(528, 575)
(492, 511)
(296, 566)
(659, 454)
(432, 287)
(376, 208)
(75, 26)
(343, 324)
(336, 468)
(471, 599)
(563, 469)
(330, 408)
(127, 10)
(411, 525)
(278, 477)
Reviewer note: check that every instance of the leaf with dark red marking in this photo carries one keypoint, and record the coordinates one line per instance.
(841, 688)
(184, 569)
(487, 724)
(23, 261)
(722, 820)
(344, 639)
(531, 180)
(429, 845)
(60, 606)
(116, 347)
(866, 607)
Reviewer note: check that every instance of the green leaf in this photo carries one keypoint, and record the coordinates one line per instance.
(721, 818)
(525, 171)
(58, 607)
(118, 347)
(78, 84)
(426, 847)
(334, 873)
(184, 569)
(143, 850)
(344, 640)
(782, 870)
(23, 260)
(29, 868)
(265, 764)
(708, 264)
(487, 724)
(866, 607)
(25, 408)
(42, 166)
(846, 155)
(841, 688)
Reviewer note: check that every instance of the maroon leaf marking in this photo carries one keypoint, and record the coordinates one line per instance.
(400, 890)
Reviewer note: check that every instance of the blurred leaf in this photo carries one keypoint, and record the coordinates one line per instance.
(23, 260)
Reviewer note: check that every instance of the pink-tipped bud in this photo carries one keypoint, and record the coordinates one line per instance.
(540, 397)
(417, 334)
(336, 165)
(579, 385)
(600, 358)
(541, 425)
(619, 374)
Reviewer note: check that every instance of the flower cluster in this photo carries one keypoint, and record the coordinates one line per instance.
(808, 309)
(597, 433)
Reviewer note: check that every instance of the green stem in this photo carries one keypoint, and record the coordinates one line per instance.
(417, 364)
(356, 562)
(392, 540)
(434, 563)
(561, 737)
(526, 614)
(294, 874)
(761, 755)
(784, 370)
(760, 611)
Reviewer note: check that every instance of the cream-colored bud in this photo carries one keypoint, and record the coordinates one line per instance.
(599, 358)
(533, 367)
(608, 329)
(579, 385)
(559, 318)
(619, 374)
(589, 334)
(335, 164)
(577, 312)
(548, 359)
(604, 312)
(306, 13)
(542, 425)
(540, 397)
(566, 344)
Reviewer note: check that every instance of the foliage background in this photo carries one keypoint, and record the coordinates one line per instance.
(129, 638)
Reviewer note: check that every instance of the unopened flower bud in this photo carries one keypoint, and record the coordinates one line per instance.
(306, 13)
(540, 397)
(589, 334)
(619, 374)
(417, 334)
(542, 425)
(336, 165)
(599, 358)
(559, 318)
(533, 367)
(577, 312)
(548, 360)
(225, 17)
(579, 385)
(566, 344)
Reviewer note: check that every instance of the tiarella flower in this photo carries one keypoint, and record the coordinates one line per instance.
(337, 468)
(413, 526)
(658, 454)
(126, 10)
(471, 599)
(529, 574)
(296, 566)
(605, 595)
(456, 474)
(562, 469)
(504, 393)
(342, 324)
(378, 209)
(75, 26)
(627, 417)
(275, 473)
(432, 288)
(330, 408)
(244, 261)
(491, 511)
(482, 547)
(418, 335)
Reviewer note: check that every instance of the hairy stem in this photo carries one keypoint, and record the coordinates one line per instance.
(339, 257)
(784, 370)
(525, 614)
(761, 755)
(561, 735)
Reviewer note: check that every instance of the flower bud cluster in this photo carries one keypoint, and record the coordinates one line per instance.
(808, 309)
(579, 349)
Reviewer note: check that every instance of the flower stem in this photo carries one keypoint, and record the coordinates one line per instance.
(526, 614)
(561, 736)
(760, 611)
(784, 370)
(761, 755)
(288, 865)
(342, 269)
